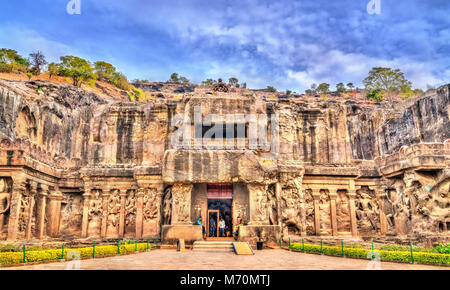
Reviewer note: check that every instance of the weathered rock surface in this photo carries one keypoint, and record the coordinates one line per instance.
(76, 164)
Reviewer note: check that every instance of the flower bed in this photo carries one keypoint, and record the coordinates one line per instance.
(384, 255)
(13, 258)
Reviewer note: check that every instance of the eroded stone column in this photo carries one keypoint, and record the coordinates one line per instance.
(41, 210)
(333, 196)
(32, 200)
(139, 212)
(54, 212)
(123, 199)
(18, 188)
(85, 218)
(316, 197)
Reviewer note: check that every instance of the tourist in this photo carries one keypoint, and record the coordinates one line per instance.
(212, 227)
(222, 227)
(200, 223)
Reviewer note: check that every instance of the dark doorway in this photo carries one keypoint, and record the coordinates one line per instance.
(223, 208)
(220, 200)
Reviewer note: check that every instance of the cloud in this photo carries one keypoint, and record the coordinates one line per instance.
(286, 44)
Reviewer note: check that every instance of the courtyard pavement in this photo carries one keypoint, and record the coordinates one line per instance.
(193, 260)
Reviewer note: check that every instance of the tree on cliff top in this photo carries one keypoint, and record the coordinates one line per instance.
(80, 70)
(323, 88)
(104, 70)
(12, 62)
(387, 80)
(233, 82)
(38, 60)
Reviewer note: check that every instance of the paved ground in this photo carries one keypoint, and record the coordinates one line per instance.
(190, 260)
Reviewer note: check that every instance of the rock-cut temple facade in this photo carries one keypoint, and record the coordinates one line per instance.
(76, 165)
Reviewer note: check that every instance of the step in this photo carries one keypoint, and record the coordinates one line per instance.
(213, 246)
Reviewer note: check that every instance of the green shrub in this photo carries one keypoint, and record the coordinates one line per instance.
(443, 249)
(385, 255)
(11, 258)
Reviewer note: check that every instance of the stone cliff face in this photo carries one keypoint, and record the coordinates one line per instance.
(384, 131)
(111, 168)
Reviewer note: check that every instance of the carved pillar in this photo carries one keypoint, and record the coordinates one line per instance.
(104, 222)
(316, 197)
(123, 199)
(54, 213)
(41, 210)
(32, 200)
(85, 219)
(181, 203)
(351, 200)
(139, 212)
(18, 188)
(333, 196)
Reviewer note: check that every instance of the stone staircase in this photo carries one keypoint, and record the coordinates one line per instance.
(213, 246)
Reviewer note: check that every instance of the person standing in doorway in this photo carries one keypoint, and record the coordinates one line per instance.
(212, 227)
(222, 227)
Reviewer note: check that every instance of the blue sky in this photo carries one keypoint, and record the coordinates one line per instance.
(286, 44)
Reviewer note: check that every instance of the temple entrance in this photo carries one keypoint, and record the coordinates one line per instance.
(220, 203)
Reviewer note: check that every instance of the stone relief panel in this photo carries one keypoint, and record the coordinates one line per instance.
(25, 202)
(95, 213)
(166, 209)
(114, 206)
(293, 211)
(71, 215)
(5, 204)
(367, 211)
(343, 212)
(272, 205)
(419, 203)
(309, 213)
(325, 213)
(151, 210)
(261, 213)
(181, 195)
(130, 213)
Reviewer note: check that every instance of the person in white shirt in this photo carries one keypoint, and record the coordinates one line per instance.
(222, 227)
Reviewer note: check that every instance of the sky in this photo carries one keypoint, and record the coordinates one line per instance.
(284, 44)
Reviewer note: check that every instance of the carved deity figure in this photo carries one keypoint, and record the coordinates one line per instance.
(150, 205)
(5, 201)
(130, 208)
(167, 206)
(114, 208)
(272, 208)
(366, 211)
(95, 208)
